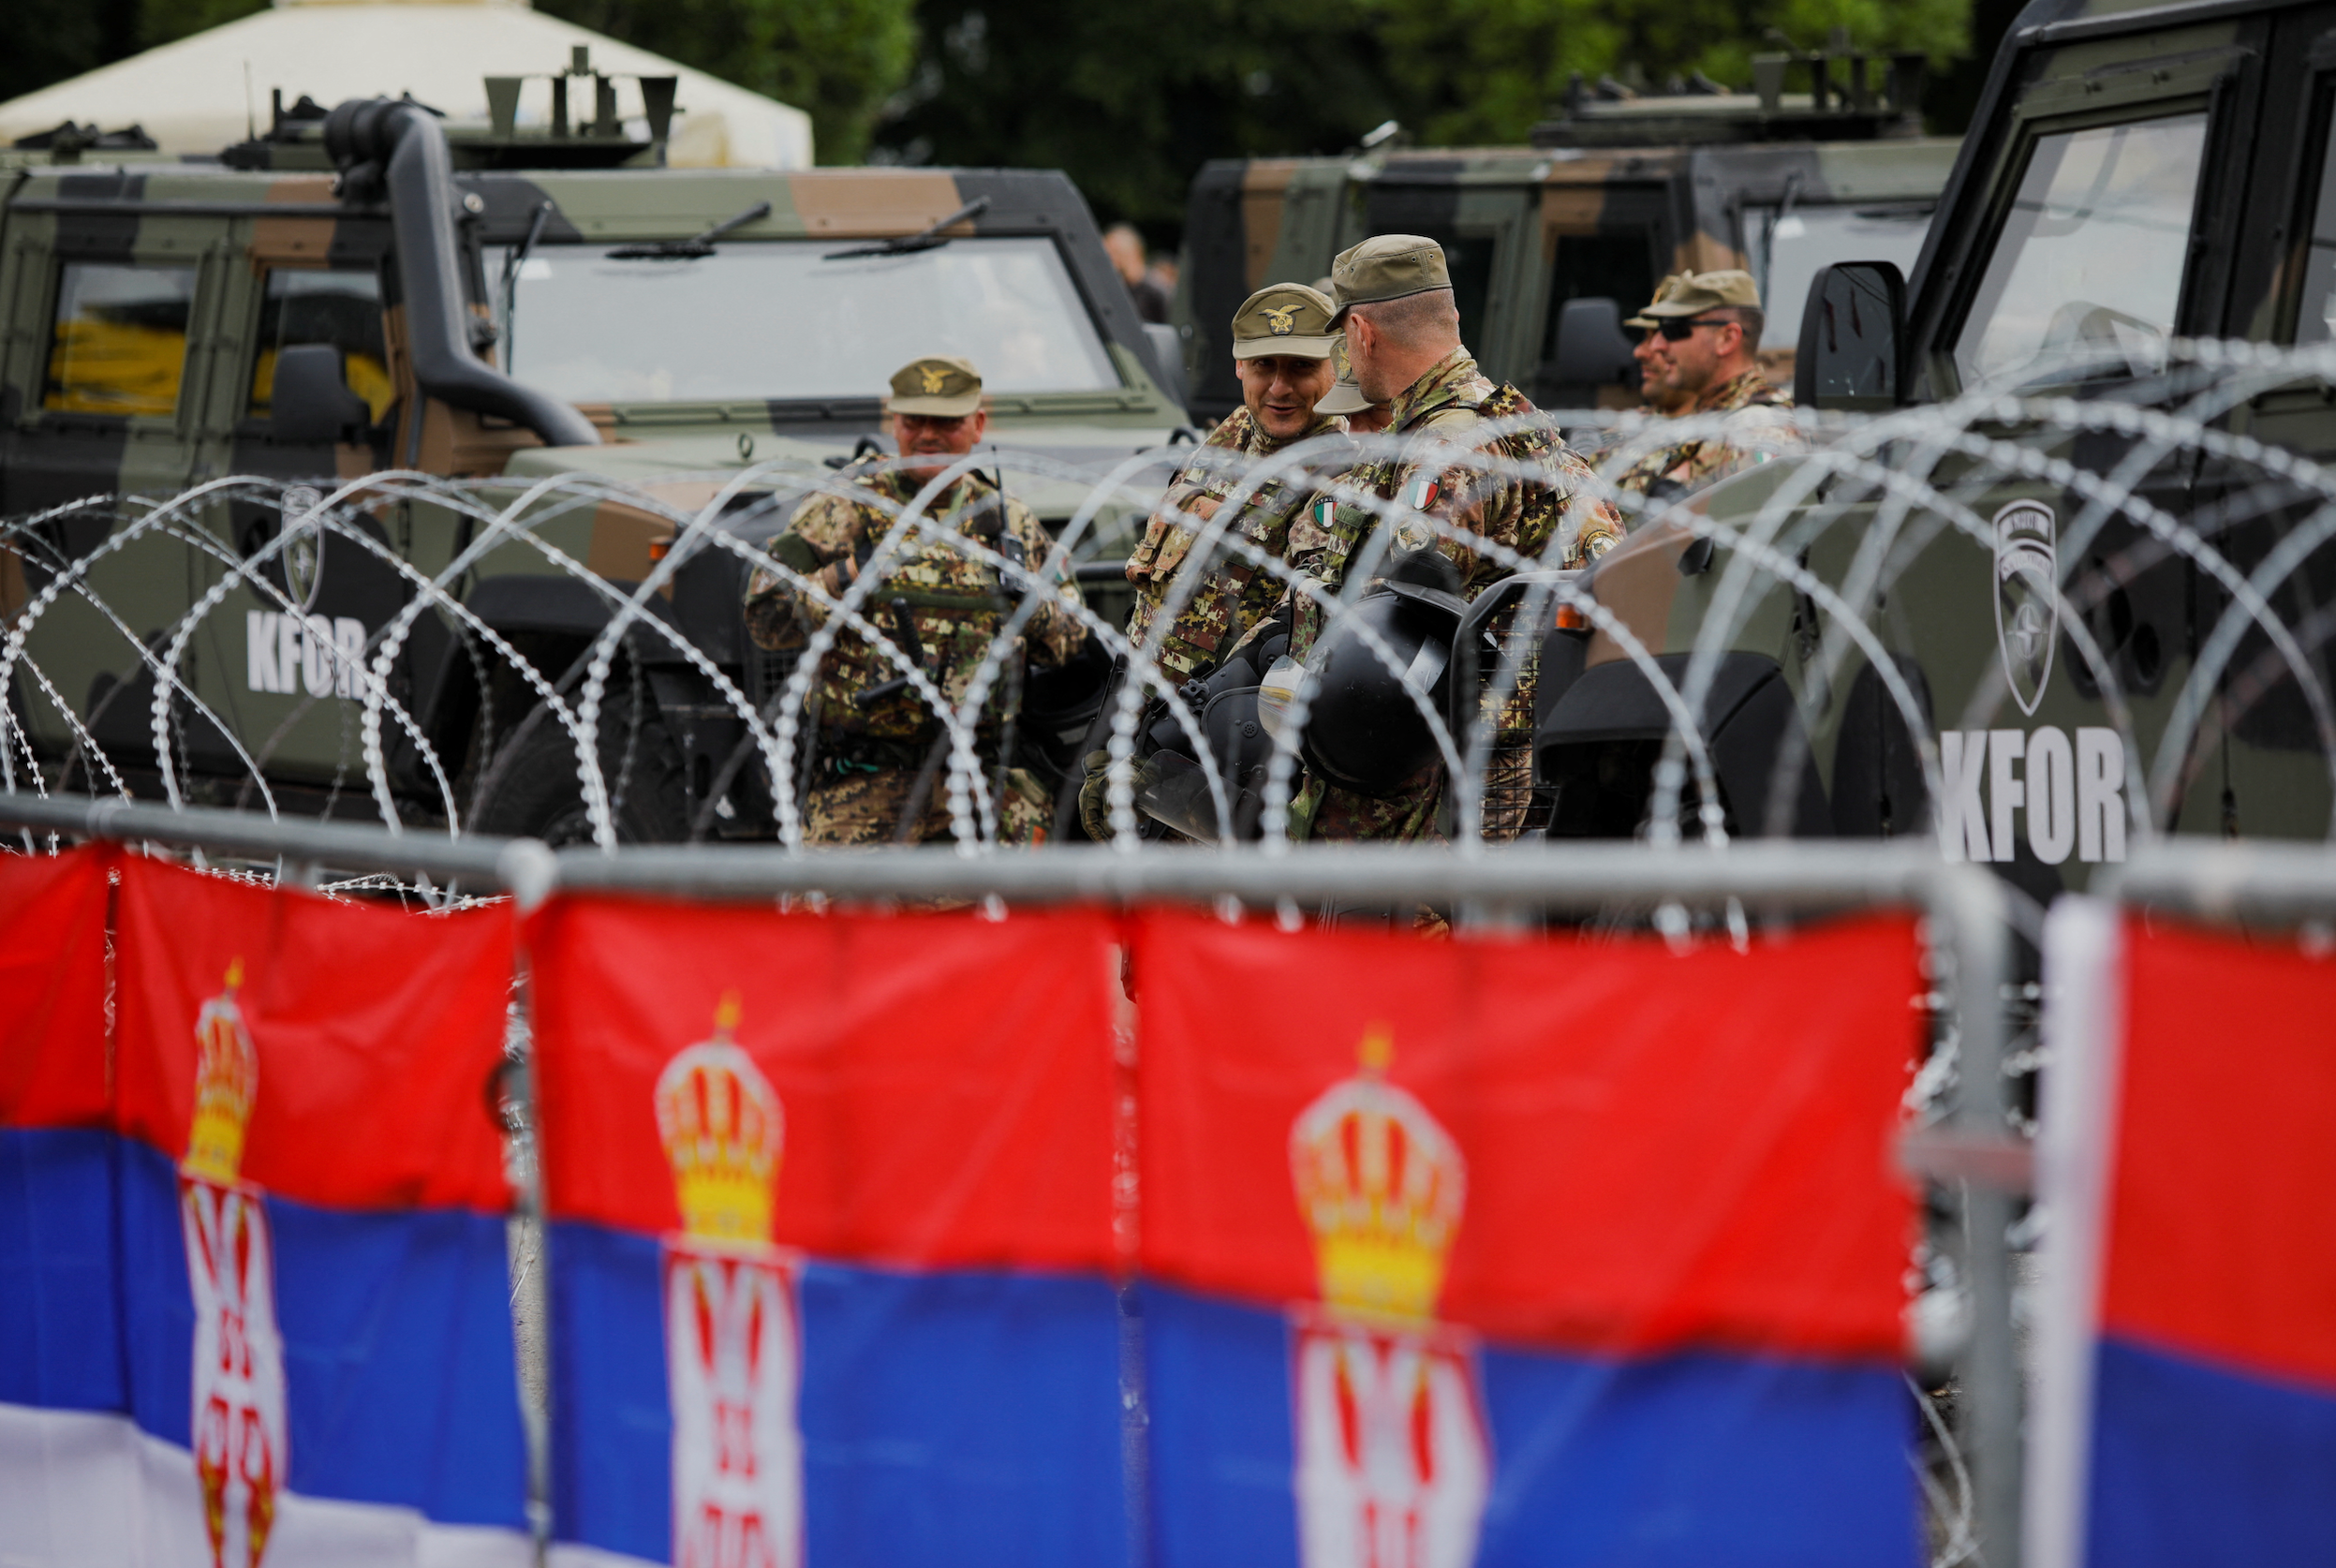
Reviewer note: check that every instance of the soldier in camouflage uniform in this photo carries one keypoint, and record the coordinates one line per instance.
(1281, 349)
(1394, 295)
(1698, 358)
(881, 752)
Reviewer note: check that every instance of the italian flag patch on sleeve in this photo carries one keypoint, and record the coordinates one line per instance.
(1421, 493)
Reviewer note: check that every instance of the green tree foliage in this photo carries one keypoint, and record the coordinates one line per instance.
(43, 41)
(1129, 98)
(1132, 97)
(1483, 71)
(837, 60)
(159, 22)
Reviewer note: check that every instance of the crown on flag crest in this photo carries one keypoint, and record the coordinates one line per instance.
(1380, 1184)
(723, 1132)
(227, 1081)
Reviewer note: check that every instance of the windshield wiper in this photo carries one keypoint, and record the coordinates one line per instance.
(925, 239)
(690, 249)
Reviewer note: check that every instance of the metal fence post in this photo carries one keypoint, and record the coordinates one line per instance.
(1970, 902)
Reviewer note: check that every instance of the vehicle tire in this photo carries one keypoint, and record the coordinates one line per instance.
(534, 790)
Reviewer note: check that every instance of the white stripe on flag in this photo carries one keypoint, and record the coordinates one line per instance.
(79, 1489)
(2075, 1150)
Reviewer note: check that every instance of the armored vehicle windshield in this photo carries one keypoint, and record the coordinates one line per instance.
(275, 442)
(593, 326)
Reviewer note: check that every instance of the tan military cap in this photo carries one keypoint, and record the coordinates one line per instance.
(1693, 293)
(1663, 291)
(1345, 395)
(1282, 319)
(938, 386)
(1388, 267)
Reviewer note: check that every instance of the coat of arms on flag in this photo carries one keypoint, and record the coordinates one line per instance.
(732, 1323)
(239, 1419)
(1393, 1461)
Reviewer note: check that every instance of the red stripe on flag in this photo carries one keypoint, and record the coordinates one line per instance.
(52, 976)
(374, 1033)
(1653, 1149)
(2220, 1237)
(942, 1083)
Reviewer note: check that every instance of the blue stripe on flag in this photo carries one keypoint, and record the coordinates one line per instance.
(960, 1417)
(1217, 1378)
(611, 1430)
(60, 1334)
(1700, 1458)
(400, 1379)
(1694, 1459)
(2197, 1466)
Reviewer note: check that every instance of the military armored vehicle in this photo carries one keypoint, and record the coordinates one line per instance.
(523, 304)
(2054, 576)
(1618, 195)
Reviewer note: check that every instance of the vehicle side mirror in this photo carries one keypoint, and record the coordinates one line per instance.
(1589, 347)
(311, 401)
(1851, 333)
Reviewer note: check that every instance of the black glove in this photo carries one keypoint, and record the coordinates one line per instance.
(1095, 792)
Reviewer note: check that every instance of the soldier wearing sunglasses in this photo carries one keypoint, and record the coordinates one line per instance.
(1698, 357)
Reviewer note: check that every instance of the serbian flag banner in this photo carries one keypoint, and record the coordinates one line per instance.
(832, 1206)
(1534, 1252)
(61, 1372)
(312, 1312)
(2188, 1342)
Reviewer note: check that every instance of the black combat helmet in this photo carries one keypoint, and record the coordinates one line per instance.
(1366, 729)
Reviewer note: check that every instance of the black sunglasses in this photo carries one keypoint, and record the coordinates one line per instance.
(1676, 331)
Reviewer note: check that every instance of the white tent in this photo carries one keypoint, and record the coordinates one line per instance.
(199, 93)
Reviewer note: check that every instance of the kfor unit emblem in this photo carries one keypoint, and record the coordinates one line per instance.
(303, 544)
(2027, 596)
(1281, 320)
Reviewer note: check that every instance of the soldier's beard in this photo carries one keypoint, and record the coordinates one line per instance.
(1671, 387)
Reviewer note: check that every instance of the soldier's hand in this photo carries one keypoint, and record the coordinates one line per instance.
(1095, 791)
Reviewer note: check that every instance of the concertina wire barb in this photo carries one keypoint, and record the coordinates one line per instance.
(1879, 489)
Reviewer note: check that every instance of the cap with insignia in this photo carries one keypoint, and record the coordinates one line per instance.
(1282, 319)
(1345, 396)
(1643, 321)
(1388, 267)
(938, 386)
(1693, 293)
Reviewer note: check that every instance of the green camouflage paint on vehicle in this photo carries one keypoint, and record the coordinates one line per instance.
(2254, 82)
(242, 246)
(1527, 229)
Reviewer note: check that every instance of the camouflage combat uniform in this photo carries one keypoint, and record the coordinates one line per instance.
(1696, 464)
(1442, 413)
(870, 759)
(1237, 592)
